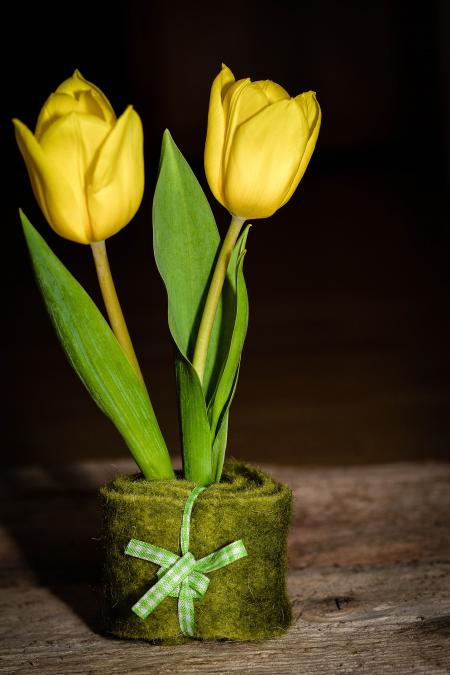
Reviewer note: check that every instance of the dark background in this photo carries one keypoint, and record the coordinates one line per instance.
(347, 355)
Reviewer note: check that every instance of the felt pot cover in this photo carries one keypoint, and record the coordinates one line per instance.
(245, 600)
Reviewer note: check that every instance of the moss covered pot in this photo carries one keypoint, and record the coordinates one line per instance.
(245, 600)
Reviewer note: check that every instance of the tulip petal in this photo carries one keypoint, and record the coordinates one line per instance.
(58, 105)
(77, 83)
(226, 80)
(242, 101)
(315, 114)
(311, 110)
(216, 131)
(273, 91)
(264, 157)
(59, 202)
(116, 179)
(71, 143)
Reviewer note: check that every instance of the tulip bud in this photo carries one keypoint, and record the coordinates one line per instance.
(258, 144)
(86, 166)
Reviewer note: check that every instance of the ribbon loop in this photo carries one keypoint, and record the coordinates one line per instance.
(222, 557)
(181, 577)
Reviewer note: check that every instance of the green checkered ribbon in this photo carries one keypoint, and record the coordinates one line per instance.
(181, 577)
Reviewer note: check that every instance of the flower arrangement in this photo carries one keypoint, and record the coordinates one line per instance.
(87, 173)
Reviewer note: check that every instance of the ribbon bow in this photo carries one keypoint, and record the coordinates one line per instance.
(181, 577)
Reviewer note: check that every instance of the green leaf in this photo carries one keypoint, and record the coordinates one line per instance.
(223, 395)
(195, 431)
(186, 242)
(219, 448)
(98, 359)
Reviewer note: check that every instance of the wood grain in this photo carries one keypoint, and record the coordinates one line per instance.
(369, 577)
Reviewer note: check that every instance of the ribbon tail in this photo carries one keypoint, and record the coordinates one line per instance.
(186, 608)
(224, 556)
(165, 586)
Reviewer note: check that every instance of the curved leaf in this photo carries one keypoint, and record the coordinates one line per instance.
(226, 385)
(219, 448)
(185, 242)
(195, 431)
(98, 359)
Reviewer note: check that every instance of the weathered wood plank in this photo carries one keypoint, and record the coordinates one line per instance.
(366, 619)
(370, 577)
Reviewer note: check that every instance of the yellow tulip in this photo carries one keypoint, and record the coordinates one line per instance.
(258, 144)
(85, 165)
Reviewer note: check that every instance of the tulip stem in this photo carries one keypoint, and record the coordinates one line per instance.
(213, 297)
(112, 304)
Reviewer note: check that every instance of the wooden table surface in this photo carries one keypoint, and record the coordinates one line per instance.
(369, 576)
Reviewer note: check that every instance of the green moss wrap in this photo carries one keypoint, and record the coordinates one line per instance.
(246, 600)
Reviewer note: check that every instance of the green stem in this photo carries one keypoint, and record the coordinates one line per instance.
(112, 304)
(212, 300)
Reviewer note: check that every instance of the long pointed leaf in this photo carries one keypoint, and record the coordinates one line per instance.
(221, 400)
(98, 359)
(186, 242)
(195, 431)
(219, 448)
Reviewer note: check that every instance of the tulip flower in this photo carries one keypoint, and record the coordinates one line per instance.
(87, 172)
(85, 165)
(258, 144)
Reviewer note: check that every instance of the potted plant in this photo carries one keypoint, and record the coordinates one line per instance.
(201, 553)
